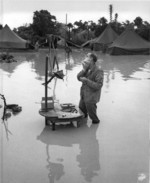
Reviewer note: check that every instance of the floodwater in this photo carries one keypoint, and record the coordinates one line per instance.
(114, 151)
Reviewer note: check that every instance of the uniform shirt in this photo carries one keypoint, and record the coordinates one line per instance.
(91, 89)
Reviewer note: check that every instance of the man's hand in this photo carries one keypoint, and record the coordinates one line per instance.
(83, 80)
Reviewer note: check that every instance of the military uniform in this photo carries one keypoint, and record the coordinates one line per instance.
(91, 91)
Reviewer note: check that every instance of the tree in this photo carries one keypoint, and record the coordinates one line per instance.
(26, 32)
(127, 23)
(80, 25)
(43, 23)
(1, 26)
(138, 22)
(144, 30)
(116, 17)
(110, 11)
(102, 21)
(92, 25)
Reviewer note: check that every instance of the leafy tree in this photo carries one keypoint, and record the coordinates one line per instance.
(144, 31)
(102, 21)
(43, 23)
(80, 25)
(138, 21)
(26, 31)
(116, 17)
(92, 25)
(1, 26)
(102, 24)
(127, 23)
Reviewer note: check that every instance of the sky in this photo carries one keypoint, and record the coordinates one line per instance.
(16, 13)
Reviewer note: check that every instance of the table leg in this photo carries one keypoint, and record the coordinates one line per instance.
(53, 126)
(46, 121)
(78, 124)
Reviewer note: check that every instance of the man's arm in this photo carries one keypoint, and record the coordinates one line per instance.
(81, 74)
(98, 83)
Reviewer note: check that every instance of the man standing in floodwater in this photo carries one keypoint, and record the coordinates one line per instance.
(91, 77)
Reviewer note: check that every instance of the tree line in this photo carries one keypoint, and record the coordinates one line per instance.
(45, 23)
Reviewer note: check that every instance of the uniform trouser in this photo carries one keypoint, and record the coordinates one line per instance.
(90, 109)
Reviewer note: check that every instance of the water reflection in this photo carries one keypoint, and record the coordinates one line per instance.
(126, 65)
(69, 62)
(89, 155)
(78, 148)
(56, 170)
(9, 67)
(68, 136)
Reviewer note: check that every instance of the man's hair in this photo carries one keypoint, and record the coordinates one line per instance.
(93, 56)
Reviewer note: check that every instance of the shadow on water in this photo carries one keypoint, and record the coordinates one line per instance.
(85, 137)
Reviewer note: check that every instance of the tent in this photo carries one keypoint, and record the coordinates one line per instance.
(129, 43)
(107, 36)
(101, 42)
(105, 39)
(10, 40)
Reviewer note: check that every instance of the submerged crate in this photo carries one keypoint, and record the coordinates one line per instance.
(50, 103)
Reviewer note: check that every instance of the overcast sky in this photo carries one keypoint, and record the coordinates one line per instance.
(18, 12)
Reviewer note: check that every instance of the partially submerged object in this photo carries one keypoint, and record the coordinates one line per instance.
(5, 57)
(55, 112)
(8, 108)
(62, 113)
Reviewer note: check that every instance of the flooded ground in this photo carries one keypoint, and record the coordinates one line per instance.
(114, 151)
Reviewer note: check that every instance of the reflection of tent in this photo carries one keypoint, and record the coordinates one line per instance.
(129, 43)
(8, 39)
(127, 66)
(106, 38)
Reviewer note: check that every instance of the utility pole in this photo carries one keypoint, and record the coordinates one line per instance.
(1, 12)
(66, 19)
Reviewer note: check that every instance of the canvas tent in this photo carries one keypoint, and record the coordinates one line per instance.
(10, 40)
(107, 36)
(101, 42)
(105, 39)
(129, 43)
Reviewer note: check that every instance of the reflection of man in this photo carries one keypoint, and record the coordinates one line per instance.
(89, 153)
(92, 81)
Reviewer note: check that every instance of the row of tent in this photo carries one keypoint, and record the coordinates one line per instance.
(10, 40)
(127, 43)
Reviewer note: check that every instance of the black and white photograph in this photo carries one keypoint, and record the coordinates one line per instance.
(74, 91)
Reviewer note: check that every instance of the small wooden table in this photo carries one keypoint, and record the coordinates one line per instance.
(62, 113)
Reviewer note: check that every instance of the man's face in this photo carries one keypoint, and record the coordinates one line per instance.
(86, 63)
